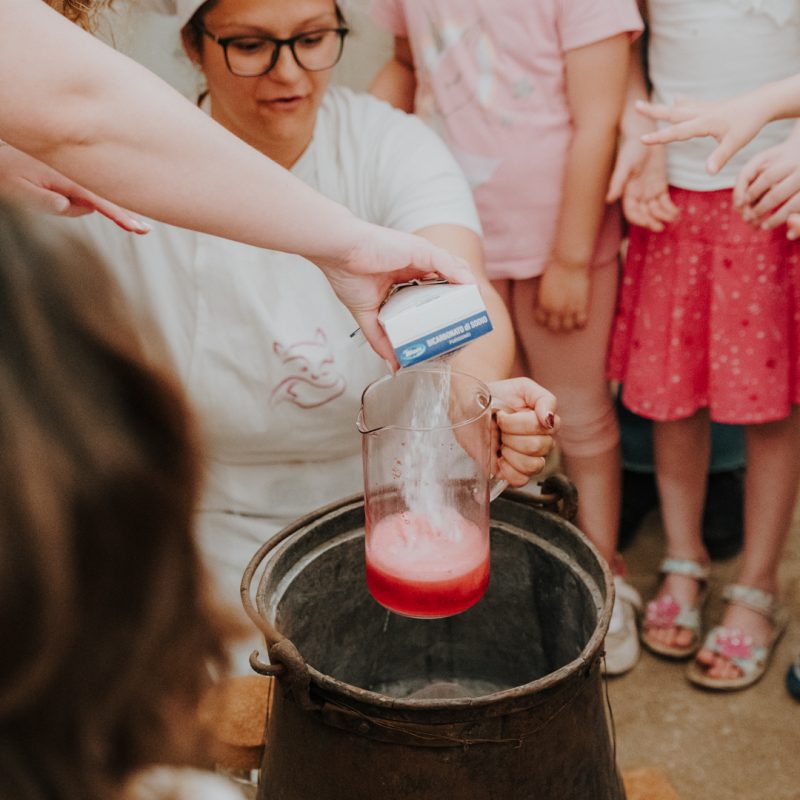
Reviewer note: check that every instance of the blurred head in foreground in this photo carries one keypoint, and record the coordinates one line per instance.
(107, 629)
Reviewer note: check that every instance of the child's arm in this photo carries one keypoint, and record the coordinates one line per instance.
(733, 123)
(112, 126)
(596, 80)
(640, 172)
(397, 82)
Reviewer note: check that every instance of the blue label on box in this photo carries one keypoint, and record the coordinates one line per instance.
(444, 340)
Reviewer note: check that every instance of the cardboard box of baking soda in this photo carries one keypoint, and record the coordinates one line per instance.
(425, 319)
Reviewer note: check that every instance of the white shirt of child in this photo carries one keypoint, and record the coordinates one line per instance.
(712, 50)
(261, 342)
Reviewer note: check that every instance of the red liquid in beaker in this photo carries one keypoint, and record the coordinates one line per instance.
(421, 570)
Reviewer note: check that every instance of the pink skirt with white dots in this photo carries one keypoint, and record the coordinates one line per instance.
(709, 317)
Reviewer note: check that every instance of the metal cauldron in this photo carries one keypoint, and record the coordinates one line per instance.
(502, 702)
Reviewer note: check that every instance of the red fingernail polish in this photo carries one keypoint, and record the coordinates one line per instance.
(551, 420)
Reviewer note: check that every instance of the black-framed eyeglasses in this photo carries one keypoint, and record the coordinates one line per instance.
(251, 56)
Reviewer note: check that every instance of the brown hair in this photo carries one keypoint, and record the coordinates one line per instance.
(80, 11)
(106, 626)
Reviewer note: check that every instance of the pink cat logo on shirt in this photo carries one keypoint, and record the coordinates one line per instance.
(309, 377)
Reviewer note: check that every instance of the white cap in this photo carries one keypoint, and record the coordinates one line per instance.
(184, 10)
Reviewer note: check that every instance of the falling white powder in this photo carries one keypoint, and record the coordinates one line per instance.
(427, 459)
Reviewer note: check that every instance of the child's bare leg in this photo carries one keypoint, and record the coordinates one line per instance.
(598, 481)
(572, 366)
(771, 482)
(682, 452)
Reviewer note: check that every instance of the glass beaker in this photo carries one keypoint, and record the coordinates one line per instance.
(427, 446)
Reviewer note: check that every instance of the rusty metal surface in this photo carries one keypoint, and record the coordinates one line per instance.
(566, 756)
(522, 711)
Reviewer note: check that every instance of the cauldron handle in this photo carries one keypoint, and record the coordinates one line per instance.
(286, 661)
(558, 491)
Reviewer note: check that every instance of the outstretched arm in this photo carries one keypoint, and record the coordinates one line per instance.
(115, 128)
(733, 123)
(31, 183)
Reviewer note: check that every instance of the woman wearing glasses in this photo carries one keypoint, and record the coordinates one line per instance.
(259, 339)
(114, 127)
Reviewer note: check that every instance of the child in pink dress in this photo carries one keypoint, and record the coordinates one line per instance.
(528, 97)
(708, 328)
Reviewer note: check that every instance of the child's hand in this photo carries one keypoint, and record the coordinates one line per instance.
(733, 123)
(525, 433)
(563, 301)
(768, 187)
(640, 179)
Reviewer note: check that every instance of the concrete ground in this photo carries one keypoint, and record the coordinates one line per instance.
(721, 746)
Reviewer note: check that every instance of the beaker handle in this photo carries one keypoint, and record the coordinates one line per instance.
(498, 485)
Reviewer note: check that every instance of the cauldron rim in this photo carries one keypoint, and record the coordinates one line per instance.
(336, 690)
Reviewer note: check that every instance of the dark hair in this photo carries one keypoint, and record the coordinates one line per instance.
(107, 630)
(192, 32)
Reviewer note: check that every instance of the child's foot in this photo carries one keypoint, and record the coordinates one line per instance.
(672, 621)
(751, 627)
(736, 654)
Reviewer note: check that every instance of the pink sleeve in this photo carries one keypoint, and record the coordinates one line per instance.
(389, 14)
(583, 22)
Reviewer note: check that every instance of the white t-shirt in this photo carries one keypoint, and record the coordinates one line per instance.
(712, 50)
(259, 339)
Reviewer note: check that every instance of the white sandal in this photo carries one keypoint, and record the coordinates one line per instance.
(736, 646)
(622, 639)
(667, 612)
